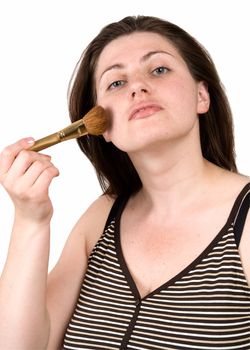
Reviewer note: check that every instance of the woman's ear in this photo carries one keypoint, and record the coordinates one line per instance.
(203, 101)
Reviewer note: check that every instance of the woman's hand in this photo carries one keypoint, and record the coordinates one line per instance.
(26, 176)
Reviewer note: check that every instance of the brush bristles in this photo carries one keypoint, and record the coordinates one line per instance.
(95, 121)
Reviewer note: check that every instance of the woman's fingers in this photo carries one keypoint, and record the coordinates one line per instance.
(43, 181)
(39, 174)
(16, 159)
(20, 168)
(10, 152)
(24, 160)
(26, 176)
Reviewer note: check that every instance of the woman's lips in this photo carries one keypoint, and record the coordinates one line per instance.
(144, 111)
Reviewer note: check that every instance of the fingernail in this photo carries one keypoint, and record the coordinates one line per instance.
(30, 140)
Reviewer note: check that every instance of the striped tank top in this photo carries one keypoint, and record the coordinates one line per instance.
(204, 307)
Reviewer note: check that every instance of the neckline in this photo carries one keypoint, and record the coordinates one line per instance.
(189, 267)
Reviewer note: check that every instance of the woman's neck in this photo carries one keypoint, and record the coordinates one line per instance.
(169, 176)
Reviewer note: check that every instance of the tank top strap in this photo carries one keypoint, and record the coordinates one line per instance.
(239, 212)
(116, 209)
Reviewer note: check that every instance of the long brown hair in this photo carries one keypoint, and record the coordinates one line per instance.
(114, 168)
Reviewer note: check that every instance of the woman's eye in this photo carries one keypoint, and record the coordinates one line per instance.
(116, 84)
(160, 70)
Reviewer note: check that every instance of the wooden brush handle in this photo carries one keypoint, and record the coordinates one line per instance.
(73, 131)
(45, 142)
(94, 123)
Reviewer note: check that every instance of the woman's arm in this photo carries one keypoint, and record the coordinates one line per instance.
(26, 176)
(35, 309)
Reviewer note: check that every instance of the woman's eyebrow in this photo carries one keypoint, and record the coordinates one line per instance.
(113, 66)
(144, 58)
(152, 53)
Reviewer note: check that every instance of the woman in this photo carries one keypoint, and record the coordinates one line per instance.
(164, 251)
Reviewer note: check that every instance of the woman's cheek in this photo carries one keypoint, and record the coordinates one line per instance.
(110, 116)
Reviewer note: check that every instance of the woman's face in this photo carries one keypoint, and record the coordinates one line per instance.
(148, 92)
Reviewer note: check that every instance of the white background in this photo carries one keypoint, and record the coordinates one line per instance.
(41, 42)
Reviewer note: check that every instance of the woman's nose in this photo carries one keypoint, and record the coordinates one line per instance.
(139, 86)
(139, 91)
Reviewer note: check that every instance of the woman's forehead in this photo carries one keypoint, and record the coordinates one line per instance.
(136, 40)
(137, 43)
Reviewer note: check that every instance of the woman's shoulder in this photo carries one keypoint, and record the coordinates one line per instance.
(227, 182)
(100, 205)
(92, 222)
(236, 182)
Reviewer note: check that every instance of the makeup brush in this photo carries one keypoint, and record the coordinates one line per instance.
(93, 123)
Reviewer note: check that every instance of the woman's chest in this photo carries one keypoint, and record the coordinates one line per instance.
(155, 255)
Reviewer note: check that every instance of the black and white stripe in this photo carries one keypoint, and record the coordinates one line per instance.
(205, 307)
